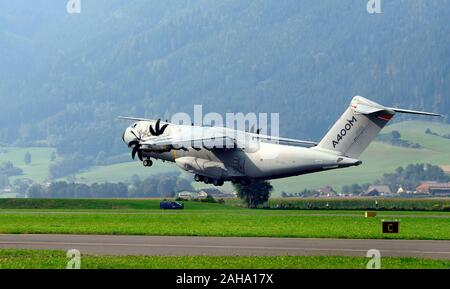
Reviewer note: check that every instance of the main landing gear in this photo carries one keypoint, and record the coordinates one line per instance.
(208, 180)
(147, 163)
(244, 182)
(220, 182)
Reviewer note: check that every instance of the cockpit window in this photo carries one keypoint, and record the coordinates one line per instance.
(134, 125)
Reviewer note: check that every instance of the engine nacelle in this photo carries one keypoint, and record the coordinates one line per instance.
(157, 149)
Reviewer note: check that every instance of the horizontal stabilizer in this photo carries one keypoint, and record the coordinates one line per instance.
(415, 112)
(136, 119)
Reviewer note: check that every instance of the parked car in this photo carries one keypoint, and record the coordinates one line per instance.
(171, 206)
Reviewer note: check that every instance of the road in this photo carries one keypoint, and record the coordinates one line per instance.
(226, 246)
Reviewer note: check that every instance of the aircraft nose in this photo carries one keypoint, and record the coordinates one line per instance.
(127, 137)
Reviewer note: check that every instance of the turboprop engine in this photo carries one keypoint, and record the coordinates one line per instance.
(157, 149)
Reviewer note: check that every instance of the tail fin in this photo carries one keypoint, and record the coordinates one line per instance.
(358, 126)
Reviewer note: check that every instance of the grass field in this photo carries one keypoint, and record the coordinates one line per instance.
(123, 171)
(40, 161)
(132, 217)
(38, 169)
(55, 259)
(143, 217)
(222, 223)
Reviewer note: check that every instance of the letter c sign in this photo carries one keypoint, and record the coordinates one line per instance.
(391, 227)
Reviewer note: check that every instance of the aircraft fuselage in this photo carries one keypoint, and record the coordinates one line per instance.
(270, 161)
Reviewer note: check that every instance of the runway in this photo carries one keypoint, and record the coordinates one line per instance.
(226, 246)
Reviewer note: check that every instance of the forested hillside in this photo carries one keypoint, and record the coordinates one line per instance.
(65, 78)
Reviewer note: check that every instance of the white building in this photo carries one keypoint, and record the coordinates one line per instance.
(192, 195)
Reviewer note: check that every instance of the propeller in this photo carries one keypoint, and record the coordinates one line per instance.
(157, 131)
(136, 144)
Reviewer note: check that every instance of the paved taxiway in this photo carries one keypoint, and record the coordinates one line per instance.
(226, 246)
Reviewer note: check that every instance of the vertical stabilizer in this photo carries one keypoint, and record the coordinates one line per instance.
(356, 128)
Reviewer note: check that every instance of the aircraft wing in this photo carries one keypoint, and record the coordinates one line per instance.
(283, 140)
(221, 140)
(186, 142)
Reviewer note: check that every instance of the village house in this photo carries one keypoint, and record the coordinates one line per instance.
(378, 190)
(434, 188)
(326, 192)
(192, 195)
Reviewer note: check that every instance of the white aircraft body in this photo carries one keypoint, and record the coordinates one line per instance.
(219, 154)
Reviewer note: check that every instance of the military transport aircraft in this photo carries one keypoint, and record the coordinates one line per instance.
(219, 154)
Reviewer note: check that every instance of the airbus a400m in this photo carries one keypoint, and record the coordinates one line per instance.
(219, 154)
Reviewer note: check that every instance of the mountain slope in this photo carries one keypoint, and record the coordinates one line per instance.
(66, 77)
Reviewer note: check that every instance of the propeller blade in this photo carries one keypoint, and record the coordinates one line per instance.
(135, 150)
(152, 131)
(163, 128)
(157, 126)
(139, 153)
(133, 143)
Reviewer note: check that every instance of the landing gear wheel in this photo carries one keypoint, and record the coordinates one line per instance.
(207, 180)
(198, 178)
(147, 163)
(218, 183)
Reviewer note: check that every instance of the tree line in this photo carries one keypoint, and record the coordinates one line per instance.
(167, 185)
(408, 178)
